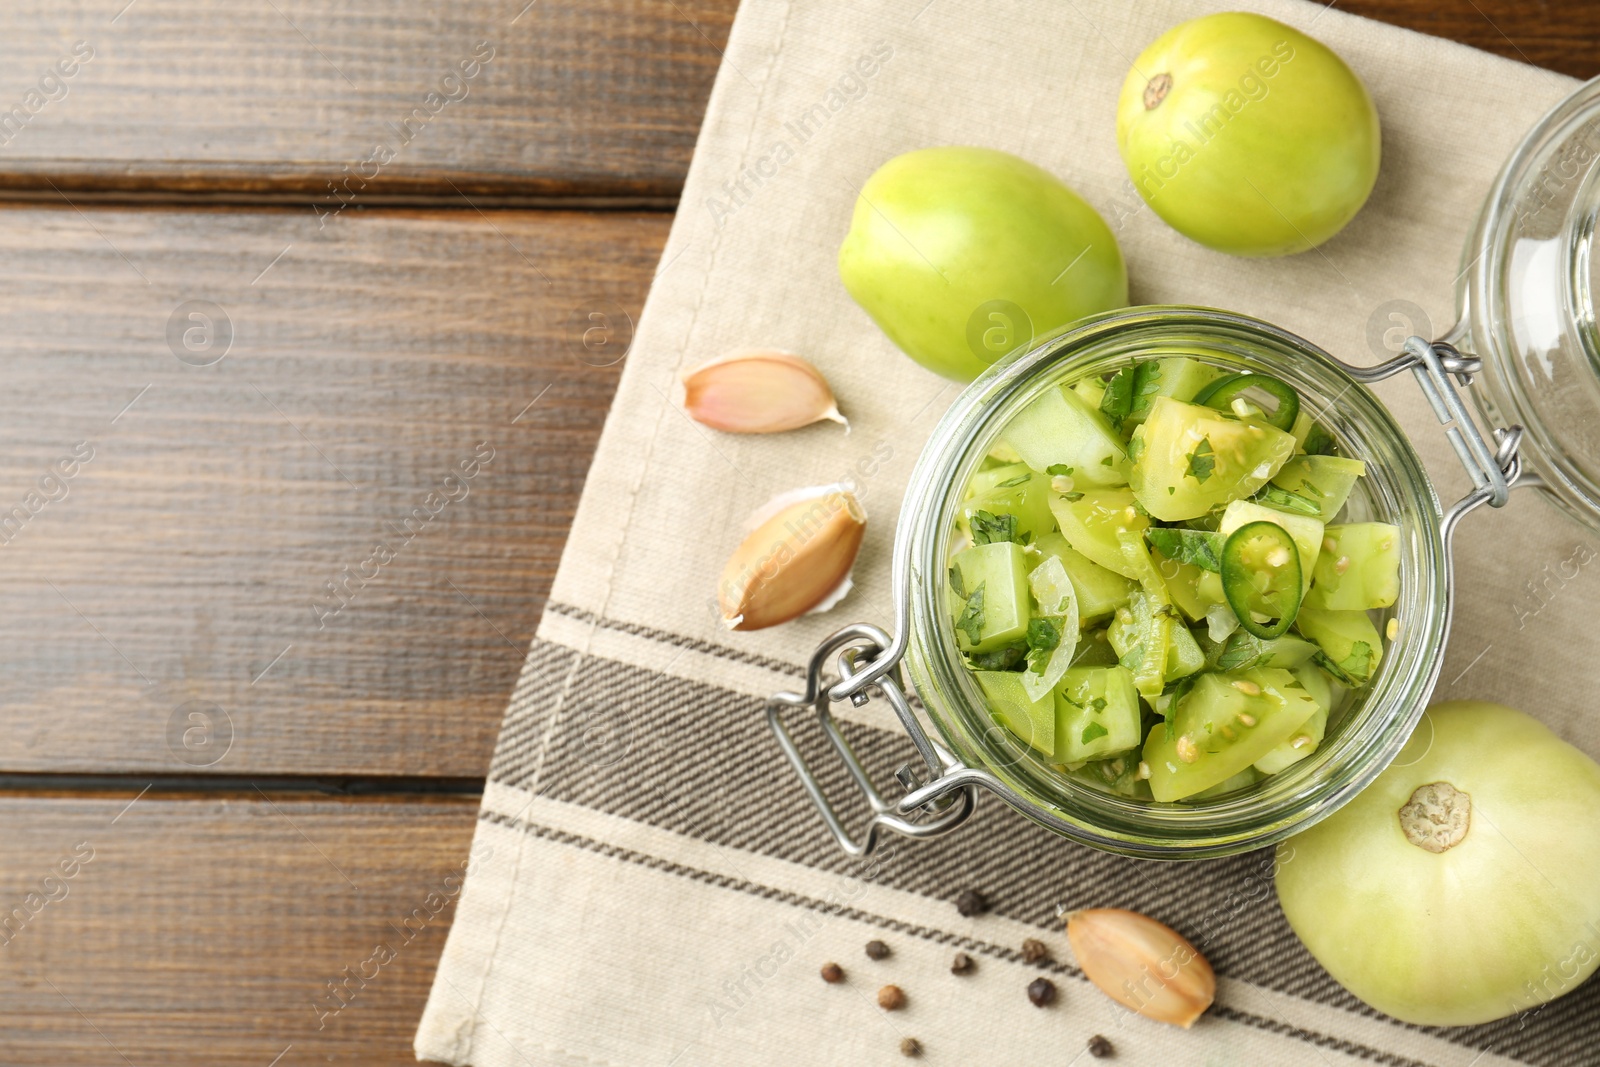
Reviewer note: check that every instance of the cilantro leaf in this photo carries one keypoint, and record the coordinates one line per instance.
(1358, 664)
(1001, 659)
(1059, 468)
(1129, 391)
(1174, 695)
(1135, 447)
(1241, 652)
(1354, 670)
(1319, 442)
(1043, 635)
(957, 584)
(1018, 480)
(988, 529)
(1092, 731)
(1199, 548)
(1202, 461)
(1283, 500)
(971, 619)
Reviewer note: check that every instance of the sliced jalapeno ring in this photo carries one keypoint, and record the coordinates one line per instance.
(1261, 578)
(1221, 394)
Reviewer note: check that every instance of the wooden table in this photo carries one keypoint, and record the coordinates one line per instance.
(298, 406)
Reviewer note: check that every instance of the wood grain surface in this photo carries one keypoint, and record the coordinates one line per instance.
(164, 606)
(175, 587)
(205, 929)
(600, 101)
(278, 98)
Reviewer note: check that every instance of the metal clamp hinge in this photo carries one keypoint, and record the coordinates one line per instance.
(938, 797)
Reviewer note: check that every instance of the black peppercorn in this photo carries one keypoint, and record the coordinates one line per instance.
(877, 950)
(832, 972)
(891, 998)
(1042, 992)
(910, 1046)
(971, 902)
(1100, 1048)
(963, 964)
(1034, 950)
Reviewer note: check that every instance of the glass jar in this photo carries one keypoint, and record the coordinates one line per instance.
(1529, 340)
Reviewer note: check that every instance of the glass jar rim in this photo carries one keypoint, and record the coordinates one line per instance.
(1364, 745)
(1526, 287)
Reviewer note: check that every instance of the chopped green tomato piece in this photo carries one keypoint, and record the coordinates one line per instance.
(993, 579)
(1359, 567)
(1223, 725)
(1261, 578)
(1010, 503)
(1053, 631)
(1092, 522)
(1184, 656)
(1182, 378)
(1127, 397)
(1315, 681)
(1191, 459)
(1350, 646)
(1322, 483)
(1002, 453)
(1183, 586)
(1305, 740)
(1141, 634)
(1137, 557)
(1118, 774)
(1282, 406)
(1243, 780)
(1001, 475)
(1306, 531)
(1091, 390)
(1032, 722)
(1199, 548)
(1097, 714)
(1242, 650)
(1059, 429)
(1099, 591)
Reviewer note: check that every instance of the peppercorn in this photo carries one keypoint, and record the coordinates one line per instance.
(963, 964)
(1042, 992)
(1034, 950)
(877, 950)
(1100, 1048)
(891, 998)
(971, 902)
(832, 972)
(910, 1046)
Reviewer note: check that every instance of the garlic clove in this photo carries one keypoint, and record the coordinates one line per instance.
(758, 390)
(1142, 964)
(797, 559)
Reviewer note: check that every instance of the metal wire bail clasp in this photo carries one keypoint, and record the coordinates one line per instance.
(944, 800)
(1495, 471)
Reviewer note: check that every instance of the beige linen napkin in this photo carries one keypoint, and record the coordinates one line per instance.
(649, 884)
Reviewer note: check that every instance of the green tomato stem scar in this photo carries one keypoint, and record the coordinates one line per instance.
(1437, 817)
(1156, 90)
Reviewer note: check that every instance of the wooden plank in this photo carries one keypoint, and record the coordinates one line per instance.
(206, 930)
(597, 98)
(1558, 34)
(175, 586)
(197, 98)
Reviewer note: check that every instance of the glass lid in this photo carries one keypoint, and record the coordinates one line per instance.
(1527, 301)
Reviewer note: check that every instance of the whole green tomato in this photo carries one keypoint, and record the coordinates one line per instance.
(1463, 885)
(1248, 136)
(965, 255)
